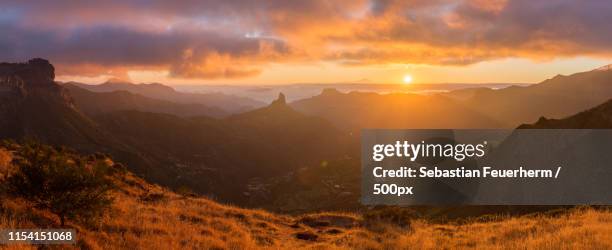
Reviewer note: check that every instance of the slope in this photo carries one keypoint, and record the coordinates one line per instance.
(145, 216)
(599, 117)
(220, 157)
(228, 103)
(103, 102)
(557, 97)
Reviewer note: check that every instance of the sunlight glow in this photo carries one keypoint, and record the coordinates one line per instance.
(407, 79)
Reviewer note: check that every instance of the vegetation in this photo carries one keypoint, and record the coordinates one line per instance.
(146, 216)
(60, 181)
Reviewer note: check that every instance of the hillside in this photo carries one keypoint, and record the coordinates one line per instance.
(557, 97)
(575, 142)
(198, 153)
(32, 105)
(145, 216)
(228, 103)
(94, 103)
(599, 117)
(208, 153)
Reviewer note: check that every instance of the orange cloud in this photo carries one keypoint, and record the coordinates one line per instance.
(235, 39)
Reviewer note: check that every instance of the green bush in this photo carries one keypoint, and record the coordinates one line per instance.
(61, 182)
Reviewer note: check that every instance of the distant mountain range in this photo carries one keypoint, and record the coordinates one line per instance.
(294, 92)
(226, 103)
(94, 103)
(558, 97)
(357, 110)
(463, 108)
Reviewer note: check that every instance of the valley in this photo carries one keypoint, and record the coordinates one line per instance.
(285, 157)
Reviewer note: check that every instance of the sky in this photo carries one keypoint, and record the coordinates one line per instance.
(315, 41)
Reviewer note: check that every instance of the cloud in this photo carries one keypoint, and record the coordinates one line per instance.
(111, 48)
(232, 39)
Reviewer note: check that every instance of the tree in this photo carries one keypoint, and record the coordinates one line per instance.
(66, 184)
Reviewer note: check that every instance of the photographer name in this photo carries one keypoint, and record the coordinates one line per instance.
(461, 172)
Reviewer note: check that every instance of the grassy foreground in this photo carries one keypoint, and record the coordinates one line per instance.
(145, 216)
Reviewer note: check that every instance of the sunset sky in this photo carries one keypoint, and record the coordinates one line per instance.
(315, 41)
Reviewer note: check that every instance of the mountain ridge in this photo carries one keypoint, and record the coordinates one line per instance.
(199, 153)
(556, 97)
(228, 103)
(599, 117)
(356, 110)
(101, 102)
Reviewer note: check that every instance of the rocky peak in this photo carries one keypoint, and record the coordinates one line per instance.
(281, 100)
(35, 72)
(34, 78)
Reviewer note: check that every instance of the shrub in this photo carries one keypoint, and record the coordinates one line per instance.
(61, 182)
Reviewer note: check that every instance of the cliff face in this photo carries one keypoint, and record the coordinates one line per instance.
(33, 79)
(32, 105)
(36, 72)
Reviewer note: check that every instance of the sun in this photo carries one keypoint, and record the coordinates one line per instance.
(407, 79)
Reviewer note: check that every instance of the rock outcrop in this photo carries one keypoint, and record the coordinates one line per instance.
(36, 71)
(281, 100)
(33, 106)
(35, 77)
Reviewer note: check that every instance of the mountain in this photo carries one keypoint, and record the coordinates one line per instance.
(228, 103)
(575, 142)
(209, 153)
(32, 105)
(281, 124)
(357, 110)
(557, 97)
(599, 117)
(210, 156)
(104, 102)
(465, 108)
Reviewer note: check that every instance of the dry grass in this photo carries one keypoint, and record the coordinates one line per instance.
(145, 216)
(5, 160)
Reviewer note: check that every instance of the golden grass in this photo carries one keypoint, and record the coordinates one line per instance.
(145, 216)
(579, 229)
(5, 160)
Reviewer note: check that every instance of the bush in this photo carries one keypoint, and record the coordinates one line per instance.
(62, 182)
